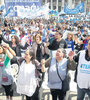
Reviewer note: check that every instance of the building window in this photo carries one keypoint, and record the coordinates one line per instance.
(54, 0)
(54, 7)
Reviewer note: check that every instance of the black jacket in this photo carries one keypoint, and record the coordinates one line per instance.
(56, 45)
(17, 48)
(76, 58)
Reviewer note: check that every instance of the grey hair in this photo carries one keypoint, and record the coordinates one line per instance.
(64, 52)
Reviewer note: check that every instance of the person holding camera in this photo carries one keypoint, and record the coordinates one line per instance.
(15, 44)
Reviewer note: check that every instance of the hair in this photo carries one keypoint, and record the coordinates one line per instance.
(71, 35)
(23, 32)
(29, 30)
(8, 31)
(88, 40)
(64, 52)
(39, 36)
(31, 53)
(40, 32)
(2, 48)
(60, 33)
(16, 39)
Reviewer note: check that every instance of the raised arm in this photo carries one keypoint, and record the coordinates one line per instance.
(10, 53)
(4, 38)
(71, 63)
(25, 46)
(45, 63)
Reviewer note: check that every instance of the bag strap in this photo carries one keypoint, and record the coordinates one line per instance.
(58, 72)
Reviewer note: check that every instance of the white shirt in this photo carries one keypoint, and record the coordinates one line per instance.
(26, 81)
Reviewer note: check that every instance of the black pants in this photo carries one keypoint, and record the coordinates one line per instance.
(8, 90)
(35, 96)
(57, 93)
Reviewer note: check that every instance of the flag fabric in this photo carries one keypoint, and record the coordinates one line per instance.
(78, 9)
(7, 61)
(36, 13)
(8, 11)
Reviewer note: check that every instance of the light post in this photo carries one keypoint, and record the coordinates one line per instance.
(51, 4)
(57, 5)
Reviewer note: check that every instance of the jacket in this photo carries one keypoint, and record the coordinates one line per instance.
(44, 49)
(17, 48)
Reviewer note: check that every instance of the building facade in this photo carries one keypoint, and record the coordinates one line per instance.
(59, 4)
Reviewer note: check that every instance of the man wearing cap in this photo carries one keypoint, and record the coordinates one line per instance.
(58, 42)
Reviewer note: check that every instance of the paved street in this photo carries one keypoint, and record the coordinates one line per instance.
(72, 96)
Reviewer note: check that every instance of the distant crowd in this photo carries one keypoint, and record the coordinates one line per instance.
(31, 44)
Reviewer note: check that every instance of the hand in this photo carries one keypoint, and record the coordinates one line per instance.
(1, 59)
(6, 46)
(43, 69)
(43, 65)
(47, 44)
(28, 42)
(47, 39)
(43, 62)
(71, 55)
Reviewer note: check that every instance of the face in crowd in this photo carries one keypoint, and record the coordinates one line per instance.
(58, 36)
(38, 38)
(59, 54)
(27, 55)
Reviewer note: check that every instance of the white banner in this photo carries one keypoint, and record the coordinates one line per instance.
(36, 13)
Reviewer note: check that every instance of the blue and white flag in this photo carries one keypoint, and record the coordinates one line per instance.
(36, 13)
(29, 4)
(10, 10)
(78, 9)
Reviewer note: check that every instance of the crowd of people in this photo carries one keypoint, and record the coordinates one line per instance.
(30, 44)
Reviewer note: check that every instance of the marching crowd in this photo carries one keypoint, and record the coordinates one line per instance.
(37, 39)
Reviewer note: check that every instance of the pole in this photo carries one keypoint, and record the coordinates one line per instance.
(57, 5)
(51, 4)
(63, 2)
(45, 1)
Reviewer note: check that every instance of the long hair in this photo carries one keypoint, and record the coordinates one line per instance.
(71, 35)
(16, 39)
(40, 37)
